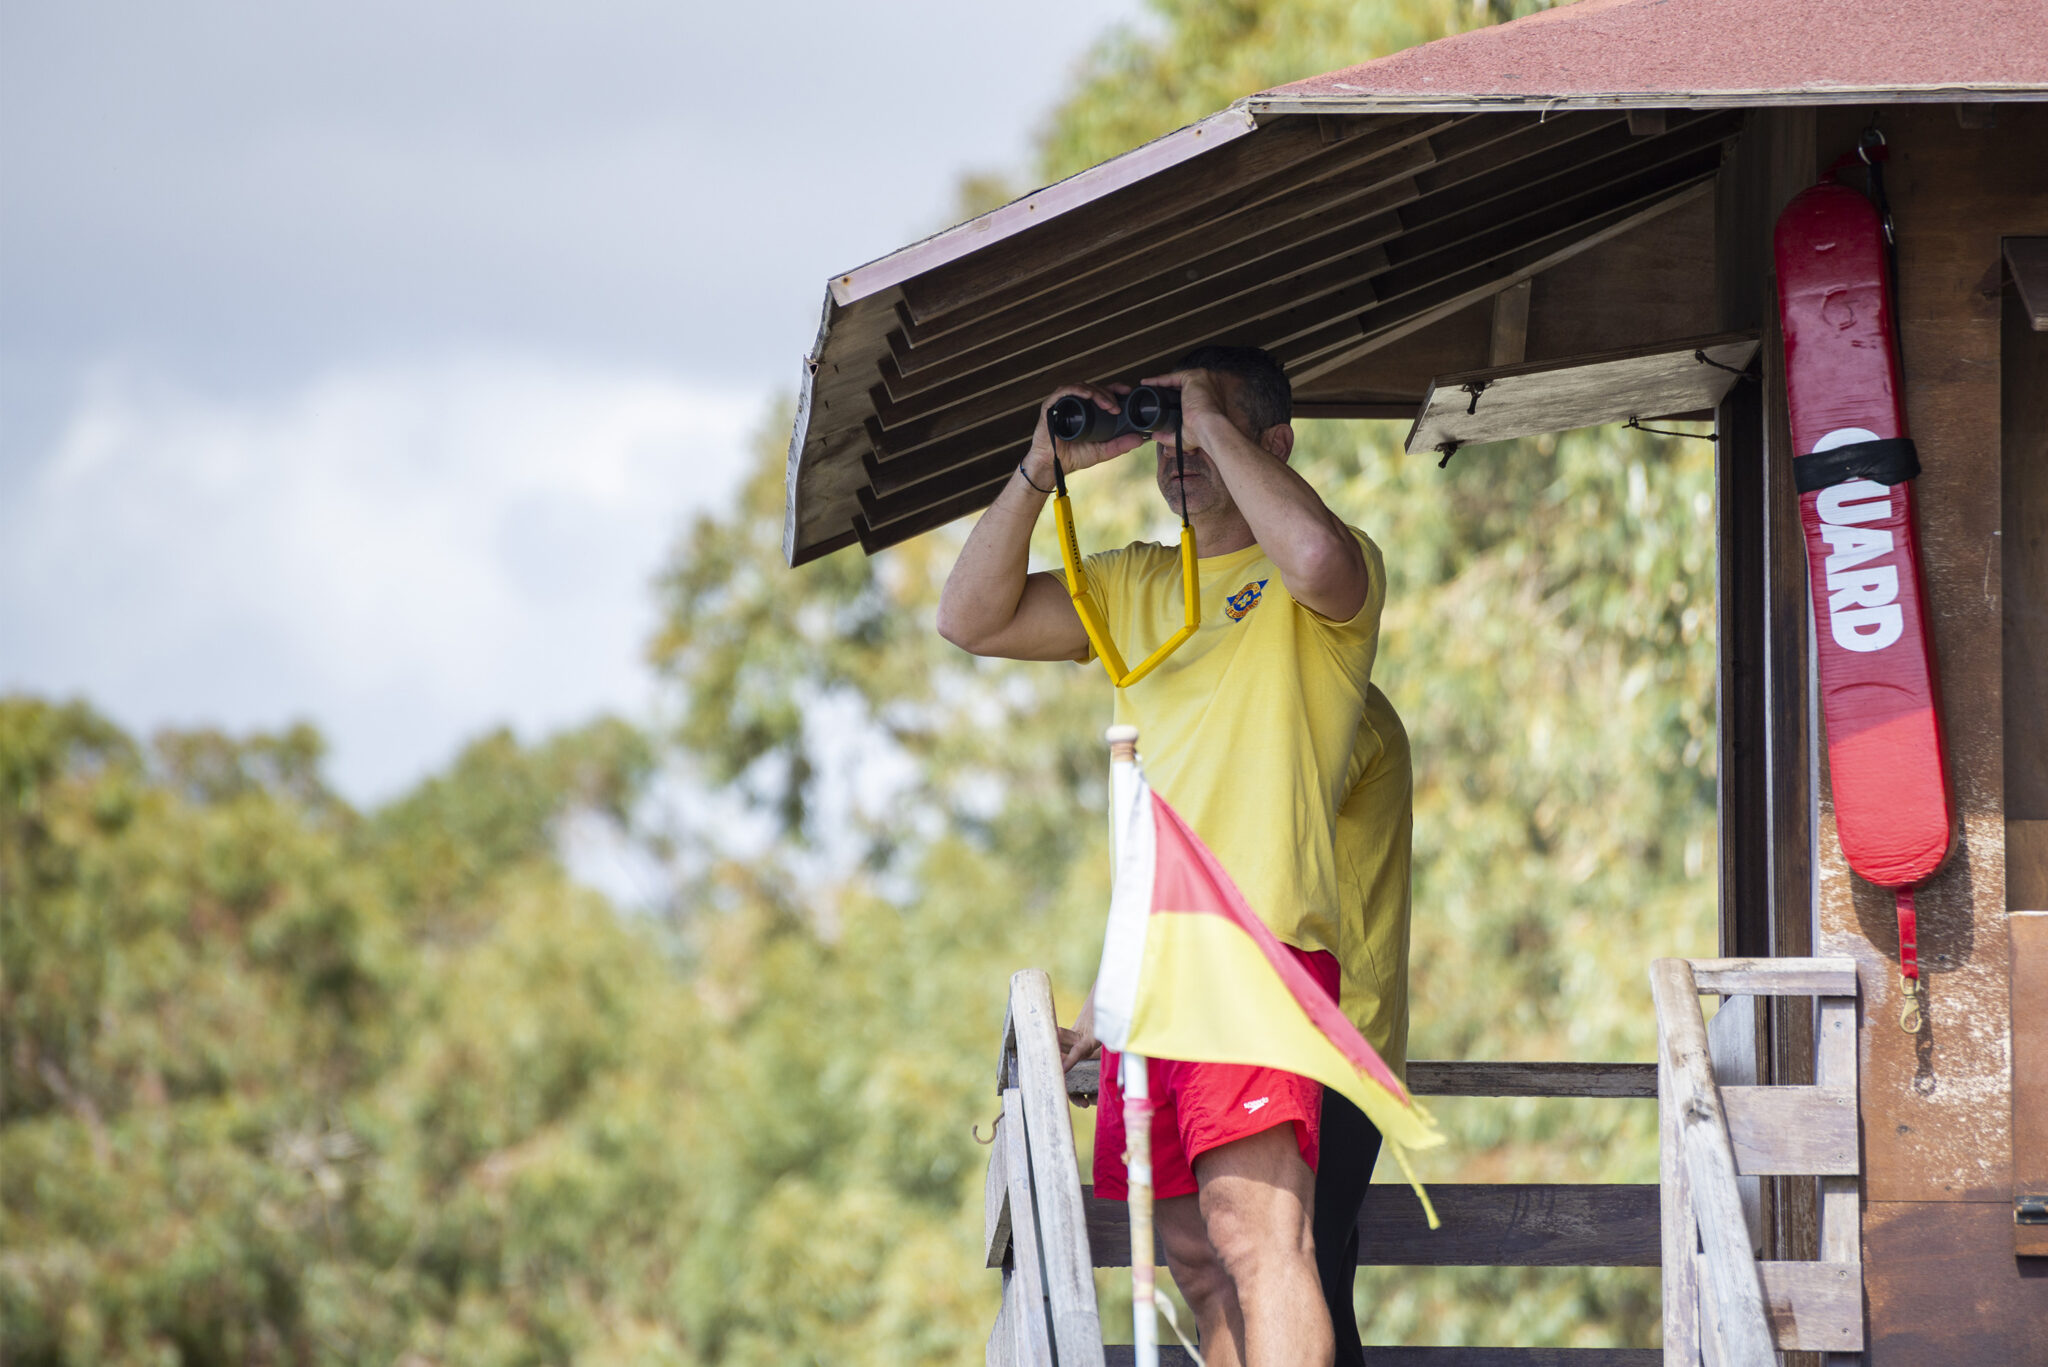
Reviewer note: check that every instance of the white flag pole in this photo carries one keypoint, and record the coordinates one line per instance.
(1137, 1086)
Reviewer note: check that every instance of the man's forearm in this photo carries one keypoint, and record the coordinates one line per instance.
(986, 585)
(1318, 557)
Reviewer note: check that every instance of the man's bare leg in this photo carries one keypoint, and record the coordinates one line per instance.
(1257, 1204)
(1202, 1280)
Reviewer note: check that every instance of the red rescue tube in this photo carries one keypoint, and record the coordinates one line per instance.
(1876, 649)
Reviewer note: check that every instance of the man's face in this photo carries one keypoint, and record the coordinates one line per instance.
(1204, 488)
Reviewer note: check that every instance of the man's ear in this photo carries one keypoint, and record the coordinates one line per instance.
(1278, 441)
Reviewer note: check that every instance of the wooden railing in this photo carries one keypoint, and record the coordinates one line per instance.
(1719, 1135)
(1484, 1224)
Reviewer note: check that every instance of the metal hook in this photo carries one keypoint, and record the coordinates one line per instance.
(1912, 1017)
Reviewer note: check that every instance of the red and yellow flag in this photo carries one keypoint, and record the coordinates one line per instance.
(1190, 972)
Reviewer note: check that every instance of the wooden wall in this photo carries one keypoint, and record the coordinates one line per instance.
(1942, 1281)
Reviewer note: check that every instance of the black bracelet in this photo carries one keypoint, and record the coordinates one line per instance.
(1029, 480)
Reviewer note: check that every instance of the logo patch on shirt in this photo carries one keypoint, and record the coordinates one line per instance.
(1243, 601)
(1253, 1106)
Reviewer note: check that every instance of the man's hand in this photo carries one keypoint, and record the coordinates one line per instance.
(1080, 1043)
(1203, 416)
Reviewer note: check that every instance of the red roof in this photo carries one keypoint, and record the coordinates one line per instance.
(1702, 52)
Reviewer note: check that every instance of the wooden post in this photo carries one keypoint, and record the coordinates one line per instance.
(1062, 1225)
(1737, 1292)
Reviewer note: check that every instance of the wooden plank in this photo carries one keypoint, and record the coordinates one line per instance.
(1732, 1048)
(1437, 1077)
(1835, 1068)
(1813, 1307)
(1789, 159)
(1055, 1174)
(1652, 283)
(1776, 977)
(1804, 1131)
(1123, 181)
(1267, 157)
(1509, 344)
(1504, 402)
(1678, 1237)
(1481, 1077)
(1485, 1224)
(1945, 1290)
(1006, 1051)
(2029, 938)
(2027, 259)
(1742, 255)
(1839, 1218)
(1731, 1276)
(1033, 1314)
(1317, 351)
(995, 1200)
(1120, 1355)
(1464, 149)
(1213, 265)
(2023, 549)
(1001, 1350)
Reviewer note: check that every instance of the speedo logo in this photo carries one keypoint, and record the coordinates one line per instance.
(1863, 607)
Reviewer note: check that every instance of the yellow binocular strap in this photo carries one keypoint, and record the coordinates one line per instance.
(1090, 611)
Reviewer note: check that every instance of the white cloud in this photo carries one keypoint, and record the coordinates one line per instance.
(404, 553)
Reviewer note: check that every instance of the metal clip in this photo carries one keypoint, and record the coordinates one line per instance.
(1911, 1015)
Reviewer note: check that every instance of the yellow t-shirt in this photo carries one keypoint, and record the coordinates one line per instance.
(1265, 733)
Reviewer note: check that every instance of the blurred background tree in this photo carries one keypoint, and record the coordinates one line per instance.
(285, 1082)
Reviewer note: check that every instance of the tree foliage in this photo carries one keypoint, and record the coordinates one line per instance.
(288, 1082)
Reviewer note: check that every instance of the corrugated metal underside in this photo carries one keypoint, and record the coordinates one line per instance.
(1323, 239)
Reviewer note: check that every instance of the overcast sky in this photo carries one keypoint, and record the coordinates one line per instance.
(359, 362)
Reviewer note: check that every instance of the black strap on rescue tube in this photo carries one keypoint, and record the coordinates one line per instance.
(1888, 461)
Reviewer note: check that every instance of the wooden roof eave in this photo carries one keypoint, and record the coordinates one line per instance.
(906, 405)
(1384, 102)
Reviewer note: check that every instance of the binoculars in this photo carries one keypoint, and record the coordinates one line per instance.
(1148, 408)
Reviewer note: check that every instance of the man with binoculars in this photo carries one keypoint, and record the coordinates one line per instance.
(1266, 734)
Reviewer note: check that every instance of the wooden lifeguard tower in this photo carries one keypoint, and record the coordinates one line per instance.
(1562, 221)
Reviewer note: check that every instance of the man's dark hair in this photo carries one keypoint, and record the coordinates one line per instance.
(1268, 398)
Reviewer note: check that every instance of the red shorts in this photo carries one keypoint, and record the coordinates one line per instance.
(1201, 1106)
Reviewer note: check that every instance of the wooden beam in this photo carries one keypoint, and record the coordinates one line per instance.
(1265, 161)
(1839, 1214)
(1812, 1307)
(1510, 342)
(1646, 123)
(1033, 1323)
(1730, 1277)
(995, 1198)
(1002, 1338)
(1055, 1174)
(1487, 1224)
(2027, 932)
(1677, 1238)
(1777, 977)
(1318, 351)
(1120, 1355)
(1433, 1077)
(1801, 1131)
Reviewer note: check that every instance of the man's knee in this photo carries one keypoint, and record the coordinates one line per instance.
(1190, 1257)
(1257, 1197)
